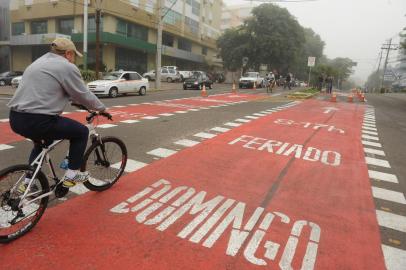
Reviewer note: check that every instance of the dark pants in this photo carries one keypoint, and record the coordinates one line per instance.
(48, 128)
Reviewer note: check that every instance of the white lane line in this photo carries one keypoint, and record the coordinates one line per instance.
(231, 124)
(251, 117)
(119, 106)
(368, 137)
(204, 108)
(79, 189)
(383, 176)
(162, 152)
(149, 117)
(187, 143)
(242, 120)
(130, 121)
(220, 129)
(369, 125)
(194, 110)
(5, 120)
(259, 114)
(370, 132)
(395, 259)
(5, 147)
(166, 114)
(181, 112)
(131, 166)
(106, 126)
(392, 221)
(374, 144)
(377, 162)
(205, 135)
(374, 151)
(388, 195)
(369, 128)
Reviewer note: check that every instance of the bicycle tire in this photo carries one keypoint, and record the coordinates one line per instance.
(6, 235)
(117, 163)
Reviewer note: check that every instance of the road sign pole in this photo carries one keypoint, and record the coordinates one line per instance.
(310, 71)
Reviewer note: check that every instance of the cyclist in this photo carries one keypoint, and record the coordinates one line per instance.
(48, 84)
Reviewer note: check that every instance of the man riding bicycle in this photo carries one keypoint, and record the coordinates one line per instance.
(47, 86)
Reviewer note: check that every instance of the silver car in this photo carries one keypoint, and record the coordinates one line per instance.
(168, 75)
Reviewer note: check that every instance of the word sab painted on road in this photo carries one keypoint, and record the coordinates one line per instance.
(165, 205)
(314, 126)
(299, 151)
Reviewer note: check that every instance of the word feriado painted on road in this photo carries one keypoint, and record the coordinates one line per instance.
(299, 151)
(314, 126)
(165, 205)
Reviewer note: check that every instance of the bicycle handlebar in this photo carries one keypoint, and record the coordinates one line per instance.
(92, 113)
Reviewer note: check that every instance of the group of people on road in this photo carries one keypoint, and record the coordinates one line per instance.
(327, 81)
(273, 79)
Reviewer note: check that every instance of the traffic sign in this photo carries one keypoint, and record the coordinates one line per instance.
(311, 61)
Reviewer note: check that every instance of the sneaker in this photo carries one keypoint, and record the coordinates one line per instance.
(80, 177)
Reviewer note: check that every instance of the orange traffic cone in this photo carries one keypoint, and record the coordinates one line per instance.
(333, 97)
(255, 86)
(234, 90)
(350, 98)
(362, 98)
(204, 92)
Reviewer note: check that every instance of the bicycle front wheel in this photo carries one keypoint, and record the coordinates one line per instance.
(105, 161)
(16, 220)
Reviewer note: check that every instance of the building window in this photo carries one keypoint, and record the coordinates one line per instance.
(204, 50)
(172, 17)
(132, 30)
(65, 26)
(39, 27)
(91, 24)
(167, 40)
(18, 28)
(192, 24)
(195, 7)
(149, 6)
(184, 44)
(127, 59)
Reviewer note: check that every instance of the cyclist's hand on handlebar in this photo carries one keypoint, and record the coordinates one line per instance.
(106, 114)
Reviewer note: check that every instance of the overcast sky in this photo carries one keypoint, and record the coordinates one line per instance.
(351, 28)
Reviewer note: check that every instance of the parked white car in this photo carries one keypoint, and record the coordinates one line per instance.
(15, 82)
(119, 82)
(184, 74)
(247, 81)
(167, 75)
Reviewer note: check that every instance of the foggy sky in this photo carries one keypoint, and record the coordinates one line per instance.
(351, 28)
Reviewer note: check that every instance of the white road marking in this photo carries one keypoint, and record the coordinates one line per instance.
(395, 259)
(106, 126)
(130, 121)
(369, 128)
(377, 162)
(370, 132)
(150, 117)
(131, 166)
(166, 114)
(251, 117)
(371, 144)
(374, 151)
(205, 135)
(187, 143)
(5, 120)
(162, 152)
(220, 129)
(194, 110)
(369, 125)
(242, 120)
(368, 137)
(259, 114)
(388, 195)
(64, 113)
(5, 147)
(181, 112)
(80, 110)
(392, 221)
(368, 122)
(383, 176)
(231, 124)
(79, 189)
(119, 106)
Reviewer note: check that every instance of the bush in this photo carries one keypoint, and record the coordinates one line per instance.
(88, 75)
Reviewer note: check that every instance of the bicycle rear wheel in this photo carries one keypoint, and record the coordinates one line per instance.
(105, 163)
(16, 221)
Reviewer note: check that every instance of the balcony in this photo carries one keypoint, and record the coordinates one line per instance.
(35, 39)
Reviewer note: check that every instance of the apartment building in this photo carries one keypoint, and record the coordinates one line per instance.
(4, 36)
(128, 32)
(234, 15)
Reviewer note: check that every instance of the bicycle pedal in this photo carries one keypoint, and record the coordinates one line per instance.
(61, 191)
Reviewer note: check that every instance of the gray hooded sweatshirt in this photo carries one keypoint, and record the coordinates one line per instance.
(49, 84)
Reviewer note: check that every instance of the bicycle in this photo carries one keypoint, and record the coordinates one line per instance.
(270, 85)
(22, 208)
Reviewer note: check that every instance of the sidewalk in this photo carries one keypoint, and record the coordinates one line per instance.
(7, 90)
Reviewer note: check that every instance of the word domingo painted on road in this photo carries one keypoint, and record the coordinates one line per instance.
(330, 158)
(329, 128)
(162, 205)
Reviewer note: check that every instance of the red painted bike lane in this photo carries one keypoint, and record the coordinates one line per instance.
(287, 191)
(136, 112)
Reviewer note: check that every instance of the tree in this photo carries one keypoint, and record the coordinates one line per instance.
(233, 47)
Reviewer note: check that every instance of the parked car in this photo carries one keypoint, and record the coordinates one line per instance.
(247, 81)
(15, 82)
(168, 75)
(6, 77)
(119, 82)
(197, 81)
(185, 75)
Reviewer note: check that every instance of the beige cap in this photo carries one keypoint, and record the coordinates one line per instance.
(64, 44)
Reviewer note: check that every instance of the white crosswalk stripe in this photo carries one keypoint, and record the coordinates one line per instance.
(387, 177)
(162, 152)
(377, 162)
(187, 143)
(388, 195)
(392, 221)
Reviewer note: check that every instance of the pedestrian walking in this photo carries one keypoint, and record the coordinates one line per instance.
(320, 83)
(329, 84)
(287, 81)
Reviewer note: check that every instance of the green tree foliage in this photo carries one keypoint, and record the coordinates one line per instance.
(233, 47)
(340, 68)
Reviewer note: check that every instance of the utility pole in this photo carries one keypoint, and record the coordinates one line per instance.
(98, 11)
(380, 60)
(388, 47)
(160, 5)
(85, 20)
